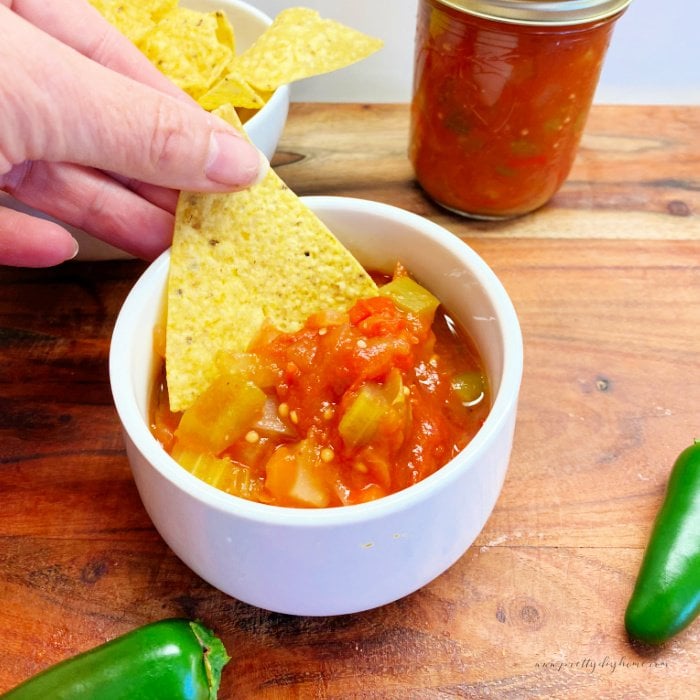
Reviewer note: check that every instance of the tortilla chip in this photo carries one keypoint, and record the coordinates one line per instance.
(224, 31)
(157, 8)
(300, 44)
(196, 50)
(131, 19)
(238, 259)
(231, 89)
(191, 48)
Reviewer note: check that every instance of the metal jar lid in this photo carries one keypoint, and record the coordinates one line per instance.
(541, 12)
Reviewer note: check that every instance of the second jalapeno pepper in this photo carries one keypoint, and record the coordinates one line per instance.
(666, 596)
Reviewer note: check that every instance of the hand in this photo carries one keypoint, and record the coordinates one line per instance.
(94, 135)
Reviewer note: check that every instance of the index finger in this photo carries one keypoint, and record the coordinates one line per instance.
(79, 25)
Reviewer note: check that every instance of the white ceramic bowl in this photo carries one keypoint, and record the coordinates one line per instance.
(264, 128)
(352, 558)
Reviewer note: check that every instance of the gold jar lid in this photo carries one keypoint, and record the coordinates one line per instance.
(543, 12)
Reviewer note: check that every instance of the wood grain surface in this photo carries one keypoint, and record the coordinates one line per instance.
(606, 282)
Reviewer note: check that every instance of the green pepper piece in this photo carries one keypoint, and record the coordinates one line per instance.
(524, 148)
(362, 417)
(666, 597)
(173, 659)
(410, 296)
(468, 387)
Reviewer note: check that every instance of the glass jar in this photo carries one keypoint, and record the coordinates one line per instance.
(501, 93)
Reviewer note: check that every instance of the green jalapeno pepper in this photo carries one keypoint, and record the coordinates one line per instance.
(666, 597)
(172, 659)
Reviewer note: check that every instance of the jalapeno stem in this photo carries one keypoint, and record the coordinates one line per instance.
(173, 659)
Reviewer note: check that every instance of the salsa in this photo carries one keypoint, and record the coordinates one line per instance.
(498, 107)
(353, 406)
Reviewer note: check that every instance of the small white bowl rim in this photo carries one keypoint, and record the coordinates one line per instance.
(501, 410)
(277, 100)
(250, 9)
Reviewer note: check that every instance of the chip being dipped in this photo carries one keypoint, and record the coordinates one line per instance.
(239, 260)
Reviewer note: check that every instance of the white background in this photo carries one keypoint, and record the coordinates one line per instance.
(654, 55)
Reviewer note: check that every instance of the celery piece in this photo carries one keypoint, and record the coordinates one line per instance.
(393, 388)
(468, 387)
(362, 417)
(408, 295)
(223, 412)
(398, 416)
(241, 482)
(203, 465)
(220, 472)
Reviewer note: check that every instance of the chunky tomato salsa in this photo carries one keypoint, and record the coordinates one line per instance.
(350, 408)
(498, 109)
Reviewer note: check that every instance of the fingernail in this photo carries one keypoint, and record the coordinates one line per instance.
(235, 162)
(76, 250)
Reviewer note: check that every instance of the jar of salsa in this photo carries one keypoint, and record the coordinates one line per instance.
(501, 93)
